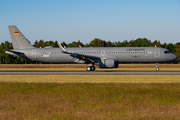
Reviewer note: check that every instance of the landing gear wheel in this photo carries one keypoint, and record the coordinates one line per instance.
(88, 68)
(157, 67)
(93, 68)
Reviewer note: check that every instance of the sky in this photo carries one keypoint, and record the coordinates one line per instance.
(84, 20)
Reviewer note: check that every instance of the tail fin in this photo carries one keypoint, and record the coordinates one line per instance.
(18, 39)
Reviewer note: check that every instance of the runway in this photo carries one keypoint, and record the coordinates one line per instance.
(90, 73)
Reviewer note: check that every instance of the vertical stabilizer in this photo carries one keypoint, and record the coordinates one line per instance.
(18, 39)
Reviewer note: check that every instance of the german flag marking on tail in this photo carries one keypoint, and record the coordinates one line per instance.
(16, 33)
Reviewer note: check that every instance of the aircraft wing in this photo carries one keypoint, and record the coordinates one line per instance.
(84, 57)
(87, 58)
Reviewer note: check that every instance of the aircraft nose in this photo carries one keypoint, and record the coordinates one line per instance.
(174, 57)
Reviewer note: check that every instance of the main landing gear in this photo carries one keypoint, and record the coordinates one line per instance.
(157, 68)
(90, 68)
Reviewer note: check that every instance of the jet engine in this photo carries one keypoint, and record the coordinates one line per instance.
(108, 63)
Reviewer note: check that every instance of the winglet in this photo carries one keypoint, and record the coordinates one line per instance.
(60, 46)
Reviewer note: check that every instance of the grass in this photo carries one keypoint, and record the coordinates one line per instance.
(77, 97)
(82, 67)
(92, 78)
(89, 101)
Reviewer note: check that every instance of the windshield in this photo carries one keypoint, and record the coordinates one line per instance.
(166, 52)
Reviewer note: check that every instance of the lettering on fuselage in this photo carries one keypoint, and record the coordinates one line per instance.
(44, 55)
(135, 49)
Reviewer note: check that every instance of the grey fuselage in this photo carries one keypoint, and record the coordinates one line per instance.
(119, 54)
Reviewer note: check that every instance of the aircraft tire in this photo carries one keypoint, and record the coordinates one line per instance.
(88, 68)
(93, 68)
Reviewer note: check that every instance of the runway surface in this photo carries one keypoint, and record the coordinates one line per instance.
(90, 73)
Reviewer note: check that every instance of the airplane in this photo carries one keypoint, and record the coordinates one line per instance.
(104, 57)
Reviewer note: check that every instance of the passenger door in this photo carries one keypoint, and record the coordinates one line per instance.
(157, 52)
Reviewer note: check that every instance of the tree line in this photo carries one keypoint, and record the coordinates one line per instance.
(140, 42)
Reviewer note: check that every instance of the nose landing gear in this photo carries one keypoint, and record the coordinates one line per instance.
(157, 68)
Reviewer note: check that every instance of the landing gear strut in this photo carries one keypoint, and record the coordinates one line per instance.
(90, 68)
(157, 68)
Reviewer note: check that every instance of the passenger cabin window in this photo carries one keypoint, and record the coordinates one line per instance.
(166, 52)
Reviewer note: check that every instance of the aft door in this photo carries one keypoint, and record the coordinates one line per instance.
(33, 53)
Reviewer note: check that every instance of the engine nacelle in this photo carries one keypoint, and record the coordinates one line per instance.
(108, 63)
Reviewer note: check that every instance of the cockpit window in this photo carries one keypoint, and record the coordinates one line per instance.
(166, 52)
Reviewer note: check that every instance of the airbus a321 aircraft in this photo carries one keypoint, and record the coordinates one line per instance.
(104, 57)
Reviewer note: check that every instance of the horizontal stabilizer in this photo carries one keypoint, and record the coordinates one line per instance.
(15, 52)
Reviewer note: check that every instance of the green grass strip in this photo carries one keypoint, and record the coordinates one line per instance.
(92, 78)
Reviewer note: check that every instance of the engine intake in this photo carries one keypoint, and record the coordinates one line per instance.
(108, 63)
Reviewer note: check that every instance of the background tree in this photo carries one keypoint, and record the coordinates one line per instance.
(72, 44)
(78, 44)
(109, 44)
(51, 43)
(97, 43)
(156, 43)
(5, 58)
(178, 52)
(130, 44)
(178, 43)
(124, 43)
(165, 45)
(56, 44)
(171, 47)
(142, 42)
(118, 44)
(41, 44)
(36, 44)
(64, 44)
(2, 53)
